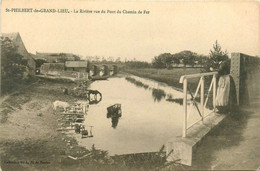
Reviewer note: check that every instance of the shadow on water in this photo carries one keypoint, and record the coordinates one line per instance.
(177, 100)
(180, 100)
(158, 94)
(114, 112)
(229, 133)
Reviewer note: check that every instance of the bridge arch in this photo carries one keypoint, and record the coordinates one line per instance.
(104, 71)
(94, 70)
(114, 70)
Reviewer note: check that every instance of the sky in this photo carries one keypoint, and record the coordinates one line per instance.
(170, 27)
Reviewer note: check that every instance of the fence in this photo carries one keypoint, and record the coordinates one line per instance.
(243, 71)
(203, 102)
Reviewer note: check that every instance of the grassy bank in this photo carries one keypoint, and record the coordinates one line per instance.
(170, 77)
(30, 140)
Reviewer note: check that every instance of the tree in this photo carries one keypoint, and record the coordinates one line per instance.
(103, 59)
(39, 62)
(157, 62)
(137, 64)
(162, 61)
(187, 57)
(118, 59)
(216, 56)
(201, 59)
(175, 59)
(12, 66)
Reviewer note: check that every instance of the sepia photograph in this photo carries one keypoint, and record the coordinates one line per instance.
(130, 85)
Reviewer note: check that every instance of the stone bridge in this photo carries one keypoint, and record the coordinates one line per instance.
(103, 69)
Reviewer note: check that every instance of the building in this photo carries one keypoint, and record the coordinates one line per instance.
(57, 57)
(80, 66)
(52, 68)
(21, 50)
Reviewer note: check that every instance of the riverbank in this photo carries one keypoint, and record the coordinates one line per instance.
(30, 140)
(170, 77)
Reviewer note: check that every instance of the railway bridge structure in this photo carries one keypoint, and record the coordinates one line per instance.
(229, 142)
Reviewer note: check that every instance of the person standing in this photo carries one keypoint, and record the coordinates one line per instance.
(226, 95)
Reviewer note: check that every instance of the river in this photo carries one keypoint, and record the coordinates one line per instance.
(148, 120)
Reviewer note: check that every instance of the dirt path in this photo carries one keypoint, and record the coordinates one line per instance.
(28, 136)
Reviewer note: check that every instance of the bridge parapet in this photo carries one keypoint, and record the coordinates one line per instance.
(243, 70)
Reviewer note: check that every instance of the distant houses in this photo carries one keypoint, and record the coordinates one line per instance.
(21, 50)
(56, 68)
(57, 63)
(56, 57)
(53, 59)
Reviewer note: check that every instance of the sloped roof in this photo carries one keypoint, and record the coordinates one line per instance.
(53, 54)
(17, 41)
(79, 64)
(11, 36)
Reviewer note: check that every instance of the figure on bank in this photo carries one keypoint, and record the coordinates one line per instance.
(226, 92)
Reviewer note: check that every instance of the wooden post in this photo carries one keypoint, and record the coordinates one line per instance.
(214, 91)
(202, 97)
(184, 131)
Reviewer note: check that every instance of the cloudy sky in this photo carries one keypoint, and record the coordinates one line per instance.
(169, 27)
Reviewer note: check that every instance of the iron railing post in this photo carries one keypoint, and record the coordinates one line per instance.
(201, 85)
(202, 97)
(185, 83)
(214, 91)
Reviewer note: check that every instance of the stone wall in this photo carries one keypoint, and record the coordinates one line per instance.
(243, 70)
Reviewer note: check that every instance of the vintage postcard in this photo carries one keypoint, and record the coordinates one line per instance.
(129, 85)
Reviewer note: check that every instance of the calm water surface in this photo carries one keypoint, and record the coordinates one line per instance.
(147, 120)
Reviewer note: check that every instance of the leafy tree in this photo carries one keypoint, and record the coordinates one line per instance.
(103, 59)
(201, 59)
(12, 66)
(157, 62)
(137, 64)
(60, 60)
(175, 59)
(39, 62)
(118, 59)
(187, 57)
(163, 60)
(77, 58)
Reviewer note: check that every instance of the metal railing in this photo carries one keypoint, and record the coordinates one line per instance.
(203, 102)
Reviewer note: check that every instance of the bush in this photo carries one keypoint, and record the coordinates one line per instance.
(137, 64)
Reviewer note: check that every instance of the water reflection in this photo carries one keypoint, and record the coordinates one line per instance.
(94, 96)
(114, 121)
(178, 100)
(137, 83)
(158, 94)
(114, 112)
